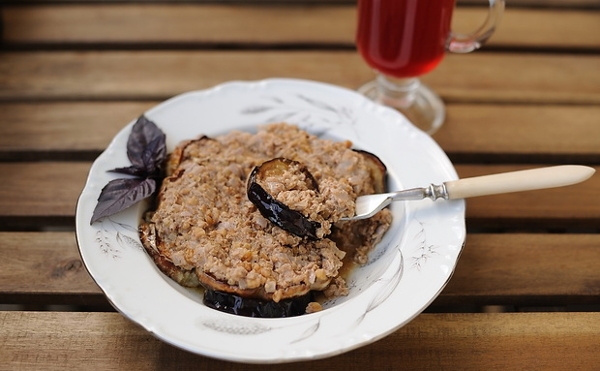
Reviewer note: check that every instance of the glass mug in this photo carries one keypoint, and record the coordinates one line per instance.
(404, 39)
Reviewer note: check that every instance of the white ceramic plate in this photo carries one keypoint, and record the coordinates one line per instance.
(407, 270)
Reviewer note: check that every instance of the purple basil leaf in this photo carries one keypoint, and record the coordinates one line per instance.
(130, 170)
(154, 155)
(146, 146)
(119, 194)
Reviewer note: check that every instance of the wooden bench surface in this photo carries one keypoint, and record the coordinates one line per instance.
(69, 340)
(73, 73)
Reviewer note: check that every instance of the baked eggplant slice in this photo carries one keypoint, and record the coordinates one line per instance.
(277, 212)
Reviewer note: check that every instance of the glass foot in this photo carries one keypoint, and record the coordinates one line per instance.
(421, 105)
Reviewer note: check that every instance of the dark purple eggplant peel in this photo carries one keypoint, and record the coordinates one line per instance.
(275, 211)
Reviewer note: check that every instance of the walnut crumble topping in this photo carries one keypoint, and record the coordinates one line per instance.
(204, 224)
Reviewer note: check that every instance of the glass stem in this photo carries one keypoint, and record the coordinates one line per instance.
(399, 93)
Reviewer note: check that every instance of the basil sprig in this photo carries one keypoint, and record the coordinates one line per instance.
(147, 151)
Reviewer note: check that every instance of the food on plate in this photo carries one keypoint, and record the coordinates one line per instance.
(287, 194)
(207, 230)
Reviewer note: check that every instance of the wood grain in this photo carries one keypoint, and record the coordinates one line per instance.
(526, 270)
(45, 269)
(560, 208)
(532, 341)
(516, 133)
(157, 75)
(471, 133)
(67, 131)
(180, 24)
(41, 189)
(294, 24)
(494, 269)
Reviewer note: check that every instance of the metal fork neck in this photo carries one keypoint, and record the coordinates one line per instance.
(436, 191)
(433, 192)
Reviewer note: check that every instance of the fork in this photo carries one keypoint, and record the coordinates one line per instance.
(514, 181)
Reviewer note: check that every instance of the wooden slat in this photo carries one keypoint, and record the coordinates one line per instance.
(531, 341)
(180, 23)
(43, 191)
(471, 133)
(477, 77)
(494, 269)
(201, 24)
(526, 269)
(521, 132)
(524, 78)
(560, 208)
(42, 131)
(45, 269)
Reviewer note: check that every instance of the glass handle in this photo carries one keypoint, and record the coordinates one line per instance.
(465, 43)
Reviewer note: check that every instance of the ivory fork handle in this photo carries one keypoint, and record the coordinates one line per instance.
(517, 181)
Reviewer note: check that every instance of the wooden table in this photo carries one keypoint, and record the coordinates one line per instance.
(526, 292)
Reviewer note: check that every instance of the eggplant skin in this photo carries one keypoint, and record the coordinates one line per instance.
(280, 214)
(377, 170)
(249, 307)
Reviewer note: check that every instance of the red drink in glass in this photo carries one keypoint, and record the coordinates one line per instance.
(403, 38)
